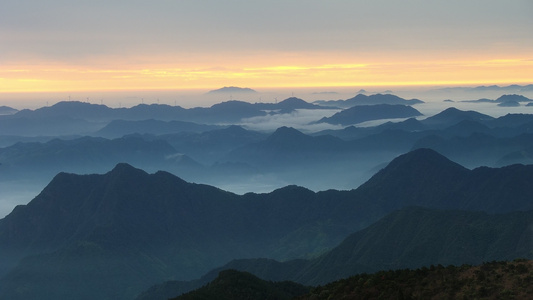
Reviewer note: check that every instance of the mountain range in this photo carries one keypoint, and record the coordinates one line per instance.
(229, 111)
(225, 155)
(85, 155)
(149, 228)
(362, 99)
(364, 113)
(120, 128)
(140, 229)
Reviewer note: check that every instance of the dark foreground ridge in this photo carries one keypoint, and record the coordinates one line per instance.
(235, 285)
(492, 280)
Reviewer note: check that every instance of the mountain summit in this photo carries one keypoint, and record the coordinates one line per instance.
(232, 89)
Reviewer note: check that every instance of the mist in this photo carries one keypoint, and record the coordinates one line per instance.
(224, 167)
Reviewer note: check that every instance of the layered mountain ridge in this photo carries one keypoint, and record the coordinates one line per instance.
(147, 228)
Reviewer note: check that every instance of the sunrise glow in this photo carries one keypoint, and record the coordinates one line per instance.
(47, 78)
(184, 45)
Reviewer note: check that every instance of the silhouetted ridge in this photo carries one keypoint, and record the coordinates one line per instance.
(362, 99)
(513, 98)
(236, 285)
(418, 162)
(294, 103)
(232, 89)
(285, 134)
(416, 177)
(6, 110)
(74, 109)
(122, 168)
(364, 113)
(452, 115)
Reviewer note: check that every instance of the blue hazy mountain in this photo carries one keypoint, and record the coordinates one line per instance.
(119, 128)
(363, 113)
(96, 116)
(28, 126)
(450, 119)
(362, 99)
(6, 110)
(481, 148)
(232, 90)
(239, 154)
(210, 146)
(288, 147)
(89, 155)
(504, 100)
(452, 116)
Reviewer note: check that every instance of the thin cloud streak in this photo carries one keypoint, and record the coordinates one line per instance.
(371, 74)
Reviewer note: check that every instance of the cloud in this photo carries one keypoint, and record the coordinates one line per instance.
(298, 119)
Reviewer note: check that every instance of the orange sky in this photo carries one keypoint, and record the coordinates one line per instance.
(47, 78)
(102, 46)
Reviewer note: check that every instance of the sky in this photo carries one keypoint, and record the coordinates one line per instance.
(70, 45)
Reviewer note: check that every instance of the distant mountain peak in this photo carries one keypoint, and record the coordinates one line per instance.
(232, 89)
(417, 169)
(362, 99)
(513, 97)
(452, 115)
(124, 167)
(425, 159)
(284, 130)
(362, 113)
(423, 154)
(293, 100)
(6, 110)
(286, 135)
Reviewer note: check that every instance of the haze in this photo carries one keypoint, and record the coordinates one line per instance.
(64, 46)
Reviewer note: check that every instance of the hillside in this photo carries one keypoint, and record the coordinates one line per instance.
(408, 238)
(235, 285)
(491, 280)
(415, 237)
(130, 224)
(363, 113)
